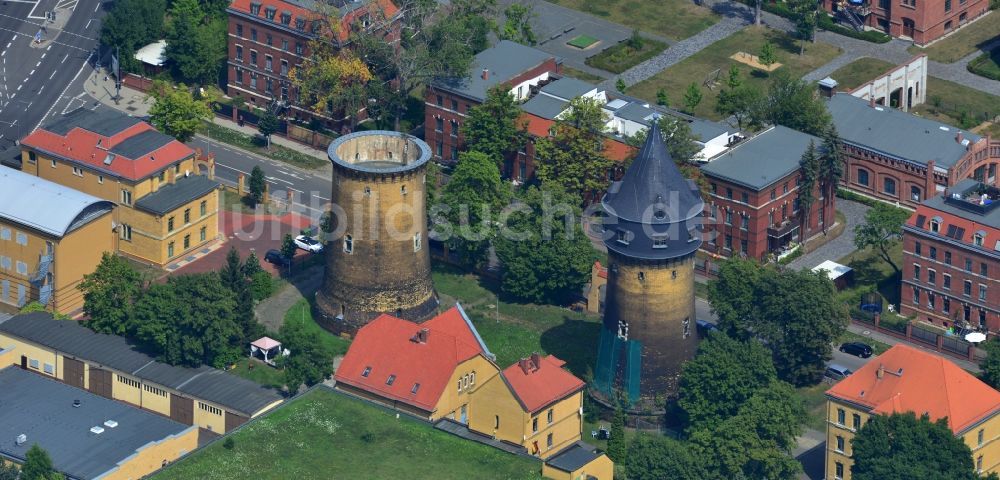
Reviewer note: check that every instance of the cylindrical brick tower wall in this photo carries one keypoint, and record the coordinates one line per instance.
(655, 299)
(377, 255)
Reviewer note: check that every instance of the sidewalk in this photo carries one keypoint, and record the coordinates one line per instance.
(890, 340)
(136, 103)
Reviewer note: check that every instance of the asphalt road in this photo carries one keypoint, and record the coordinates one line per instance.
(33, 79)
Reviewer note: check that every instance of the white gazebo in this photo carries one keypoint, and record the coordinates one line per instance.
(266, 347)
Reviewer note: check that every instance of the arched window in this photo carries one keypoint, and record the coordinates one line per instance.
(889, 186)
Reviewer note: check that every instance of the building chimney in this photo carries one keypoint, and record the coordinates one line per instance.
(422, 335)
(880, 372)
(959, 137)
(871, 100)
(536, 360)
(523, 363)
(486, 74)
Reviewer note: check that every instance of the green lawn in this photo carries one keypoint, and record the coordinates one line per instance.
(522, 328)
(870, 269)
(963, 42)
(673, 19)
(246, 142)
(697, 68)
(261, 373)
(947, 102)
(301, 313)
(622, 57)
(326, 435)
(987, 65)
(581, 75)
(582, 41)
(878, 347)
(814, 400)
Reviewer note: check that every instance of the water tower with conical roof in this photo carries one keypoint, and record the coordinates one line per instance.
(652, 231)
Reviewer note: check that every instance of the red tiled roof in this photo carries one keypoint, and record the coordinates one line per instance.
(613, 149)
(601, 270)
(388, 8)
(540, 386)
(947, 219)
(919, 382)
(387, 346)
(89, 148)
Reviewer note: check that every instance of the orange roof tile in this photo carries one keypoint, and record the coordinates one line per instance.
(388, 8)
(538, 386)
(387, 346)
(919, 382)
(970, 226)
(613, 149)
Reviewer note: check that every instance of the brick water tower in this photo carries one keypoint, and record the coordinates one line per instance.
(377, 258)
(652, 231)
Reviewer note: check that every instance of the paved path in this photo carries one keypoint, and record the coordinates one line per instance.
(839, 247)
(890, 340)
(271, 312)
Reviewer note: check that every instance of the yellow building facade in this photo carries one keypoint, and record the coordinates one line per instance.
(905, 379)
(167, 199)
(50, 237)
(204, 397)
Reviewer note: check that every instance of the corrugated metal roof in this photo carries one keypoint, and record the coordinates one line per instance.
(897, 133)
(46, 206)
(229, 391)
(42, 409)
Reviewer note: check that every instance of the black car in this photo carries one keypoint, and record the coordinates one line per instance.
(274, 256)
(857, 349)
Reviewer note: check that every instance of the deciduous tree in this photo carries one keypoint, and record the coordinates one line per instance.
(332, 81)
(176, 112)
(257, 185)
(653, 457)
(545, 255)
(573, 156)
(882, 229)
(130, 25)
(804, 15)
(8, 471)
(661, 97)
(692, 97)
(310, 360)
(288, 247)
(108, 294)
(33, 307)
(733, 296)
(721, 378)
(991, 364)
(767, 55)
(196, 42)
(517, 24)
(901, 446)
(794, 103)
(491, 127)
(473, 198)
(618, 444)
(38, 465)
(744, 103)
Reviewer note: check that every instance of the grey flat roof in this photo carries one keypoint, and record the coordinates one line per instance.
(991, 218)
(545, 106)
(170, 197)
(46, 206)
(897, 133)
(567, 88)
(573, 458)
(763, 159)
(42, 409)
(703, 129)
(505, 60)
(229, 391)
(138, 146)
(104, 121)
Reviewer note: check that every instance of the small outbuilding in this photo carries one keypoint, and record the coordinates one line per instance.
(841, 275)
(152, 57)
(266, 348)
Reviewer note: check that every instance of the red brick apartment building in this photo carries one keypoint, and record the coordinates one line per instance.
(268, 38)
(922, 21)
(951, 258)
(752, 207)
(902, 158)
(448, 101)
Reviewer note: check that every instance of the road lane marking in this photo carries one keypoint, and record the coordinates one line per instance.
(63, 60)
(71, 82)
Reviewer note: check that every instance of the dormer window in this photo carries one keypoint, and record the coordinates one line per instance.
(300, 23)
(936, 224)
(977, 239)
(660, 241)
(255, 9)
(623, 237)
(368, 370)
(286, 18)
(269, 13)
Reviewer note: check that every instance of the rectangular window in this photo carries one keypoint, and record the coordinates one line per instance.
(841, 416)
(933, 253)
(299, 48)
(863, 177)
(454, 128)
(947, 258)
(889, 186)
(22, 268)
(156, 391)
(744, 222)
(534, 424)
(745, 197)
(21, 238)
(729, 193)
(838, 473)
(253, 82)
(743, 246)
(201, 234)
(187, 216)
(209, 408)
(729, 242)
(203, 207)
(78, 171)
(268, 61)
(916, 295)
(187, 242)
(255, 9)
(253, 57)
(239, 53)
(269, 14)
(170, 250)
(916, 272)
(549, 416)
(390, 380)
(947, 6)
(968, 265)
(931, 277)
(856, 421)
(982, 293)
(967, 288)
(840, 444)
(268, 85)
(100, 179)
(284, 68)
(983, 269)
(4, 233)
(729, 217)
(918, 249)
(548, 442)
(126, 232)
(49, 368)
(170, 224)
(239, 30)
(253, 34)
(53, 163)
(33, 364)
(946, 281)
(128, 381)
(454, 154)
(438, 124)
(5, 262)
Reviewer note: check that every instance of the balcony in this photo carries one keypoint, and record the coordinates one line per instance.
(782, 230)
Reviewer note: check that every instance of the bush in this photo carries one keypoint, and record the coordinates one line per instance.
(229, 443)
(985, 66)
(854, 197)
(261, 285)
(826, 23)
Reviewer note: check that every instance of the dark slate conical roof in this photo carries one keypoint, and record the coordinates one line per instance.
(653, 194)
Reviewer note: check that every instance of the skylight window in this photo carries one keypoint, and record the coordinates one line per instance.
(392, 378)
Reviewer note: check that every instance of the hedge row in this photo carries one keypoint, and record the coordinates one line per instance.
(985, 66)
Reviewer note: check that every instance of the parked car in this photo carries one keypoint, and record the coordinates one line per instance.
(308, 244)
(274, 256)
(857, 349)
(837, 372)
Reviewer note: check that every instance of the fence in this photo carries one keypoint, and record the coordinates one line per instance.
(908, 332)
(308, 137)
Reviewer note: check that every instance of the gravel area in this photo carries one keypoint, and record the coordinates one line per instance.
(839, 247)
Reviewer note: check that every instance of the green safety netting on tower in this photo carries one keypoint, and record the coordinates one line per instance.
(616, 356)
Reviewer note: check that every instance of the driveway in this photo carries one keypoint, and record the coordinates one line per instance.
(839, 247)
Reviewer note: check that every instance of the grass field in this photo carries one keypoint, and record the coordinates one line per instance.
(946, 101)
(697, 68)
(987, 65)
(965, 41)
(622, 57)
(301, 314)
(581, 75)
(246, 142)
(582, 41)
(326, 435)
(261, 373)
(673, 19)
(521, 329)
(814, 400)
(871, 269)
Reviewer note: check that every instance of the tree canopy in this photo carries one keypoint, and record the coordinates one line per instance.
(794, 103)
(196, 42)
(130, 25)
(517, 24)
(108, 294)
(546, 256)
(176, 112)
(882, 229)
(310, 361)
(990, 365)
(573, 156)
(332, 80)
(472, 201)
(652, 457)
(257, 185)
(491, 127)
(38, 465)
(901, 446)
(721, 378)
